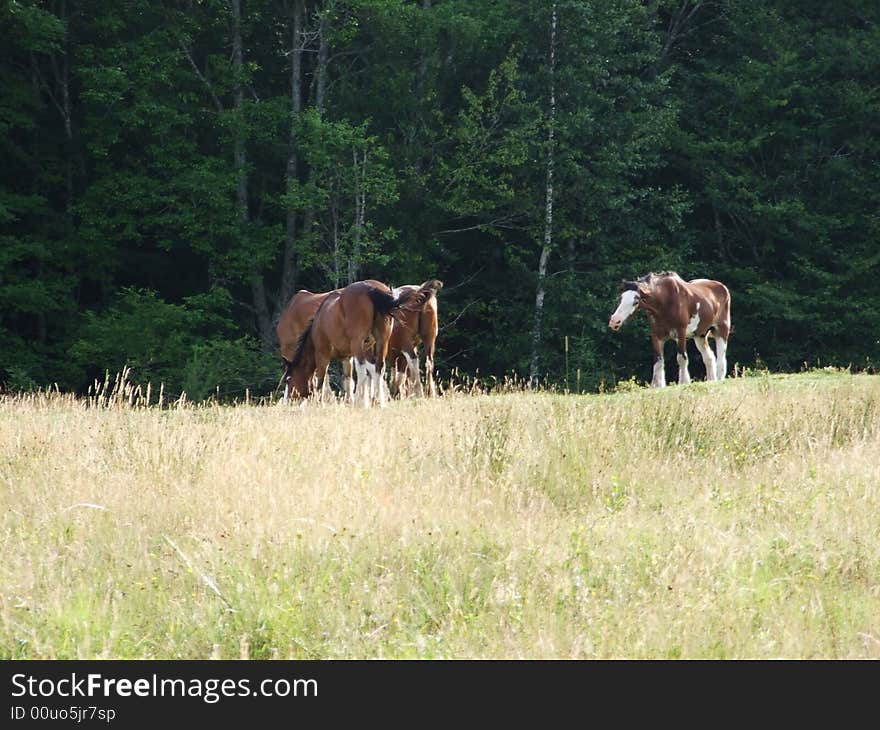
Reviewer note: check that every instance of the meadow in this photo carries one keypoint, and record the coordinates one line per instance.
(731, 520)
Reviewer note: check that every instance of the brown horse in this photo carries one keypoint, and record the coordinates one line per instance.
(678, 310)
(300, 310)
(412, 328)
(353, 322)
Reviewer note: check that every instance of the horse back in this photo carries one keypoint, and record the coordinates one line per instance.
(300, 310)
(716, 294)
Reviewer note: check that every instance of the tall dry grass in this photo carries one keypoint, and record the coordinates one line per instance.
(726, 520)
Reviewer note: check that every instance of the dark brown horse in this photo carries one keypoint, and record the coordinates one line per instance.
(354, 322)
(300, 310)
(678, 310)
(411, 329)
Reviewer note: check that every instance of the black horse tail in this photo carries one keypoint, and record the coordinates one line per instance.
(413, 301)
(383, 302)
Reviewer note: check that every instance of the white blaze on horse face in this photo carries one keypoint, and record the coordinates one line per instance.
(629, 302)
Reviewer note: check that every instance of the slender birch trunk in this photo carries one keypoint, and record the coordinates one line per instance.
(548, 215)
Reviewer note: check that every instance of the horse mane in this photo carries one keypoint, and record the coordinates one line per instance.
(659, 275)
(301, 343)
(648, 279)
(304, 338)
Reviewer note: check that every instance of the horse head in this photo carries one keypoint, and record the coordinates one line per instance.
(631, 295)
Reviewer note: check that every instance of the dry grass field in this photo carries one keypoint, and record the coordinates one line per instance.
(732, 520)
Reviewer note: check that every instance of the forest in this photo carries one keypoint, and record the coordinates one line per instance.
(174, 170)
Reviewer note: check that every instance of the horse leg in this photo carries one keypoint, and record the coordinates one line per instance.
(414, 376)
(684, 377)
(368, 386)
(721, 353)
(429, 369)
(320, 377)
(348, 379)
(398, 378)
(659, 378)
(361, 392)
(707, 355)
(382, 334)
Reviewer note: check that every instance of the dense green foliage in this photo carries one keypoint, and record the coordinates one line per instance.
(173, 170)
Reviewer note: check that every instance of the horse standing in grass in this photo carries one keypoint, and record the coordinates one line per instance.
(679, 310)
(354, 322)
(294, 320)
(411, 329)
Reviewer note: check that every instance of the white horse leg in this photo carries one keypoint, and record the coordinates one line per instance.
(375, 388)
(361, 392)
(659, 379)
(384, 393)
(398, 380)
(720, 358)
(417, 377)
(684, 377)
(286, 391)
(348, 379)
(414, 381)
(429, 376)
(708, 357)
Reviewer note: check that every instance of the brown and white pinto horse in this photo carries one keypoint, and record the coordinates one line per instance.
(410, 329)
(300, 310)
(352, 322)
(678, 310)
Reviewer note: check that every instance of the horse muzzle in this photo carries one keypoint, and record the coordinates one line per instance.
(615, 324)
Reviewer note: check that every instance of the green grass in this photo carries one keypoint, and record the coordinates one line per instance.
(725, 520)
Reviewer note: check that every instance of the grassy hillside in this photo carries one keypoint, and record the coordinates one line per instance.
(739, 519)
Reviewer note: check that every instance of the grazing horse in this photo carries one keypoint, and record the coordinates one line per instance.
(354, 322)
(300, 310)
(679, 309)
(410, 329)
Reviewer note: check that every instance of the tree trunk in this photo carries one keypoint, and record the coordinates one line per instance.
(258, 288)
(290, 263)
(548, 215)
(360, 208)
(321, 70)
(320, 101)
(423, 61)
(719, 233)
